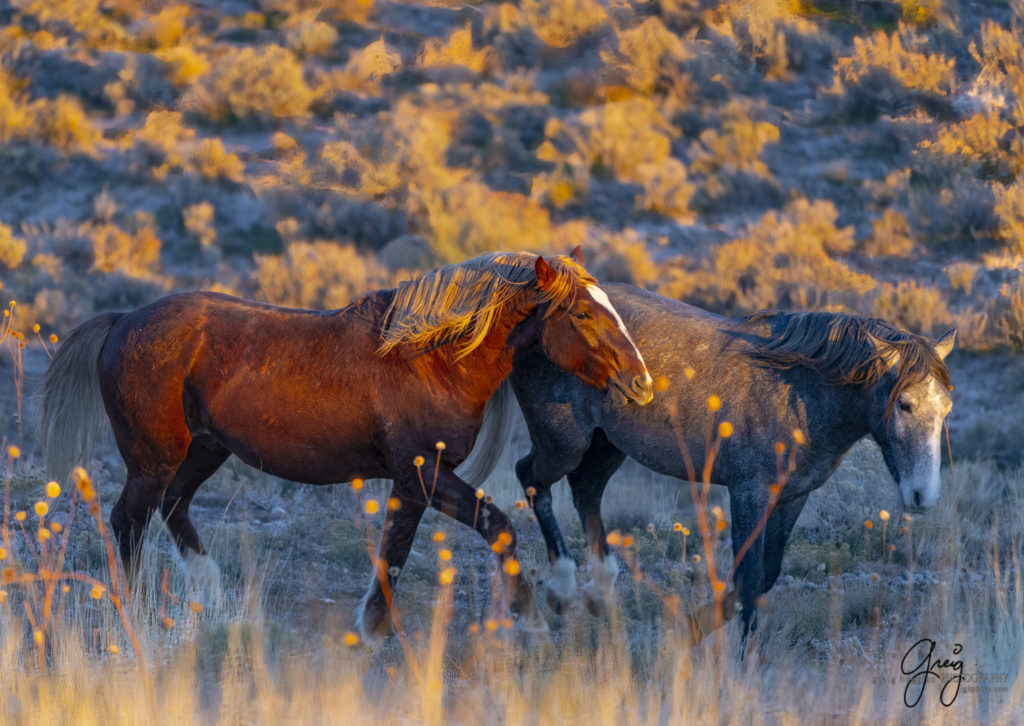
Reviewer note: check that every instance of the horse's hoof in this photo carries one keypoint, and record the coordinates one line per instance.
(560, 588)
(534, 625)
(596, 599)
(374, 624)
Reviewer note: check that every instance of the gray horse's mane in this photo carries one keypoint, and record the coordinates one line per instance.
(849, 350)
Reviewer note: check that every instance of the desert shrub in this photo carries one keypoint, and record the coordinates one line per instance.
(198, 220)
(341, 163)
(15, 117)
(727, 161)
(667, 189)
(627, 136)
(305, 35)
(12, 249)
(251, 83)
(981, 143)
(159, 143)
(1001, 58)
(777, 38)
(892, 73)
(64, 125)
(456, 50)
(1009, 209)
(316, 275)
(913, 306)
(469, 218)
(87, 18)
(563, 22)
(962, 212)
(366, 68)
(961, 276)
(898, 55)
(212, 161)
(165, 29)
(508, 32)
(735, 147)
(890, 236)
(621, 257)
(649, 54)
(185, 65)
(784, 261)
(134, 253)
(629, 140)
(1010, 320)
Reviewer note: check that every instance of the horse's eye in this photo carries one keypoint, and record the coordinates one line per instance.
(908, 407)
(581, 316)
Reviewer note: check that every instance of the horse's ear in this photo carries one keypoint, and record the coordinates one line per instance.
(545, 273)
(577, 254)
(945, 344)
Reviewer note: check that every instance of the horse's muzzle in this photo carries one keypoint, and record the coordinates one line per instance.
(640, 390)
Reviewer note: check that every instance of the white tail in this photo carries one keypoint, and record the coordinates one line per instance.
(491, 439)
(73, 415)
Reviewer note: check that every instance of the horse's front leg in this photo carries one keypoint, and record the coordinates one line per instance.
(374, 617)
(748, 505)
(458, 500)
(561, 586)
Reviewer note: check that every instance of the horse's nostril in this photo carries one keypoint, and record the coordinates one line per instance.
(917, 498)
(638, 383)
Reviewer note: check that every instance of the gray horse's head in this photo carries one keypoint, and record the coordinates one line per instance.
(907, 408)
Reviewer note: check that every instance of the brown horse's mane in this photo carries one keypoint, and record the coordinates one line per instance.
(850, 350)
(464, 300)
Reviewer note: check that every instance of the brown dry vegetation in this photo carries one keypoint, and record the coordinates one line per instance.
(860, 156)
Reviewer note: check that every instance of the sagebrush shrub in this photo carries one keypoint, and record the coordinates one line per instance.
(914, 306)
(247, 83)
(316, 275)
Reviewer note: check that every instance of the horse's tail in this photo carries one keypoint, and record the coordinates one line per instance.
(72, 408)
(491, 439)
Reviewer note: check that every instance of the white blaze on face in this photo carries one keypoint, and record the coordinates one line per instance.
(600, 298)
(925, 479)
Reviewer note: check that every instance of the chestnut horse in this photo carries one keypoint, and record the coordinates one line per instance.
(324, 397)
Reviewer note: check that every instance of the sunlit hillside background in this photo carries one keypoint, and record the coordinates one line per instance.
(859, 155)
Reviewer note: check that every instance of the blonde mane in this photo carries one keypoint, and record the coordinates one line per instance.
(463, 301)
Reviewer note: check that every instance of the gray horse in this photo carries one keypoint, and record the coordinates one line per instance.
(799, 389)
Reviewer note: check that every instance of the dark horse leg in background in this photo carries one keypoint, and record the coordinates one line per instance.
(561, 588)
(587, 482)
(457, 499)
(588, 474)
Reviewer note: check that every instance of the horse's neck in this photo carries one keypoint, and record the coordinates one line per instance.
(491, 361)
(836, 416)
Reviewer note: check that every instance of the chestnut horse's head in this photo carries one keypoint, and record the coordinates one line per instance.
(570, 317)
(584, 335)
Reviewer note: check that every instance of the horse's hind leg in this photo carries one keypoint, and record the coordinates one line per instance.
(588, 482)
(205, 455)
(130, 515)
(373, 616)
